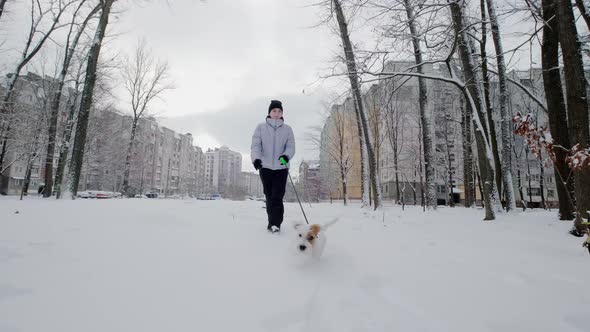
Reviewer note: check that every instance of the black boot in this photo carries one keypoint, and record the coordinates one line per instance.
(575, 232)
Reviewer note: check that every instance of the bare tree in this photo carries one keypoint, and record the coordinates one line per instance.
(473, 94)
(395, 127)
(70, 48)
(65, 142)
(556, 106)
(447, 124)
(84, 111)
(33, 150)
(340, 147)
(356, 93)
(467, 148)
(577, 103)
(490, 126)
(376, 122)
(518, 153)
(336, 141)
(423, 102)
(32, 46)
(28, 124)
(145, 79)
(506, 121)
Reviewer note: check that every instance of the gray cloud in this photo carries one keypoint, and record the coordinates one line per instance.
(226, 52)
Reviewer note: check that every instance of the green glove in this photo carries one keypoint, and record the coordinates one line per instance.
(284, 159)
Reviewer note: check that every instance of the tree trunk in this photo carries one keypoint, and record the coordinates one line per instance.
(491, 133)
(478, 176)
(86, 103)
(65, 143)
(52, 131)
(473, 95)
(421, 168)
(168, 179)
(556, 108)
(584, 11)
(522, 201)
(344, 190)
(450, 174)
(423, 104)
(356, 93)
(467, 139)
(27, 180)
(364, 169)
(542, 185)
(24, 191)
(577, 105)
(6, 109)
(392, 131)
(127, 168)
(530, 178)
(2, 3)
(396, 170)
(343, 171)
(506, 118)
(33, 153)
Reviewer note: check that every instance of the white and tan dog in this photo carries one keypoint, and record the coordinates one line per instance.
(312, 238)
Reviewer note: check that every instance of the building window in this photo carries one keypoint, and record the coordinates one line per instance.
(534, 191)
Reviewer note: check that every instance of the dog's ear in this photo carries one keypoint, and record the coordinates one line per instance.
(315, 229)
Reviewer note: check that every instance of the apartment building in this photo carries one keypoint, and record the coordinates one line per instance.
(223, 168)
(27, 142)
(394, 119)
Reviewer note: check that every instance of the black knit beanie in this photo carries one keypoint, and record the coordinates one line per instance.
(275, 104)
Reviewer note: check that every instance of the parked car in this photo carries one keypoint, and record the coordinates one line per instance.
(106, 194)
(86, 194)
(215, 196)
(151, 195)
(103, 195)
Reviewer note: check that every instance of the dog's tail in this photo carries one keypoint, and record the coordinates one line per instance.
(330, 223)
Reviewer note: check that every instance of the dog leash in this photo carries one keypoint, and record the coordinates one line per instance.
(284, 162)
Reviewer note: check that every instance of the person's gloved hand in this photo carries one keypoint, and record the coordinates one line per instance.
(285, 158)
(257, 164)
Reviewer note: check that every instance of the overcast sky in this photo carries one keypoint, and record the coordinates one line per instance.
(228, 58)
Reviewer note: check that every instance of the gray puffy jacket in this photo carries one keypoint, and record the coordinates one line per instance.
(271, 140)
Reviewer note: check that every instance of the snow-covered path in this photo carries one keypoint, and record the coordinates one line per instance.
(187, 265)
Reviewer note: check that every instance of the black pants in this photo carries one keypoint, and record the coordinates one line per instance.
(274, 183)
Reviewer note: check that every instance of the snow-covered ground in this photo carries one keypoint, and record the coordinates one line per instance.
(186, 265)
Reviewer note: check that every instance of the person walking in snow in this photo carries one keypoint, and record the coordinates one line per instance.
(272, 142)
